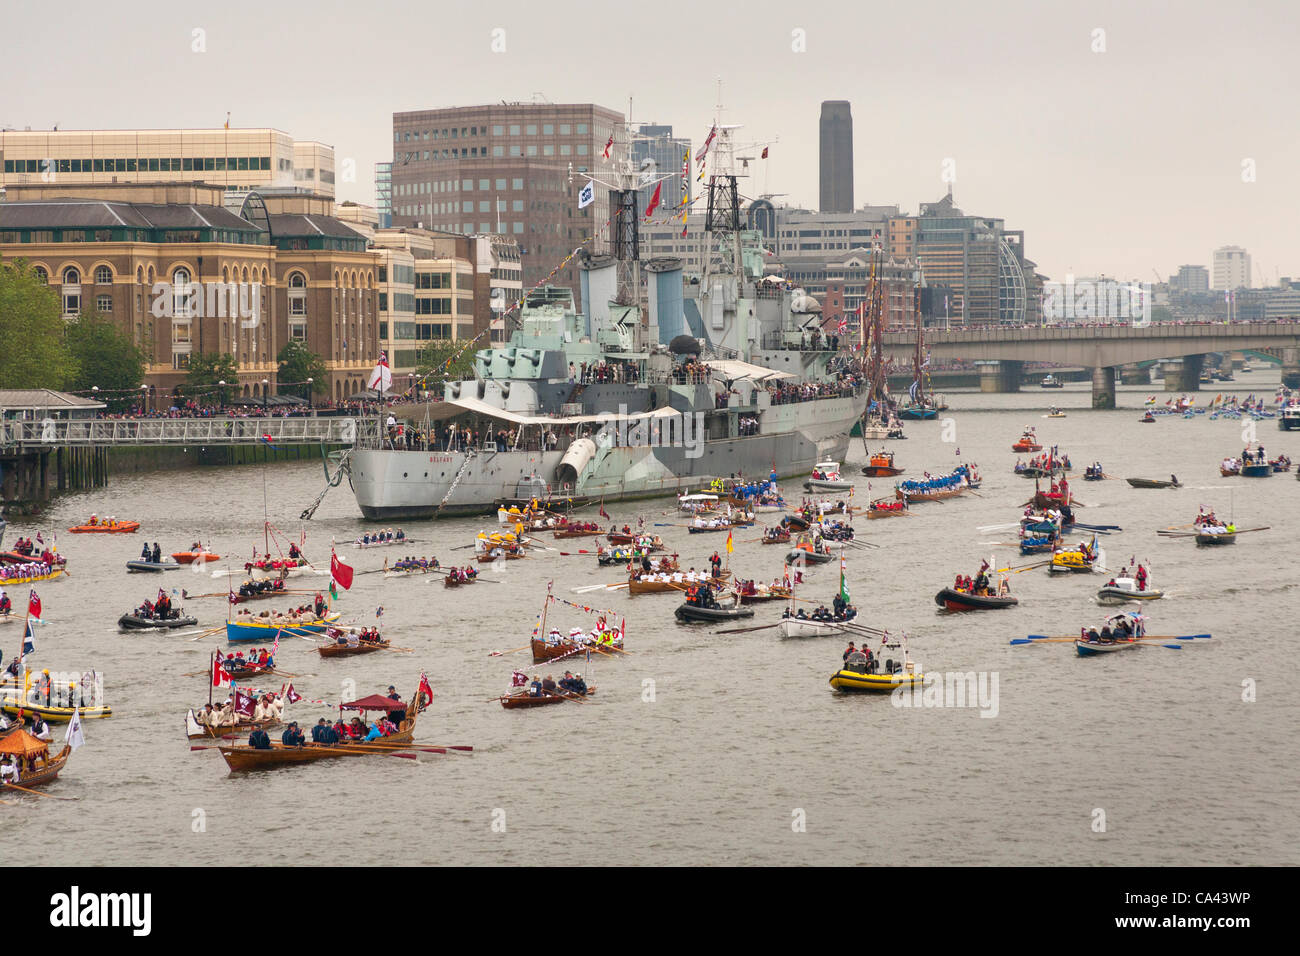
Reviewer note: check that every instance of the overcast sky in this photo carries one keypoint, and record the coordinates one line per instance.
(1117, 152)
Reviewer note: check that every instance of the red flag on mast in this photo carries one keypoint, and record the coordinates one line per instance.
(340, 572)
(654, 200)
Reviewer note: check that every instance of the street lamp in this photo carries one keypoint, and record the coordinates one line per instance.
(309, 384)
(144, 398)
(221, 392)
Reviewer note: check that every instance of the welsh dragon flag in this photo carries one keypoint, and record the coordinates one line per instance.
(844, 582)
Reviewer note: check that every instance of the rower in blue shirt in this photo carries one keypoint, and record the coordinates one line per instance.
(292, 736)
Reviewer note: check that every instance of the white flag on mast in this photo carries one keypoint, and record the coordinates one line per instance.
(587, 195)
(381, 379)
(74, 737)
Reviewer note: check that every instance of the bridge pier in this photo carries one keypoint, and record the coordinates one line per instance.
(1291, 368)
(1184, 374)
(1001, 376)
(1103, 387)
(1135, 375)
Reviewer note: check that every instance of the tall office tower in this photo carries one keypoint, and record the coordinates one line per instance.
(836, 157)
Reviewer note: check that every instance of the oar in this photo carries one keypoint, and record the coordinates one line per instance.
(511, 651)
(746, 630)
(47, 796)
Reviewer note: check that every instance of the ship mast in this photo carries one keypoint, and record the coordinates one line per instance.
(624, 185)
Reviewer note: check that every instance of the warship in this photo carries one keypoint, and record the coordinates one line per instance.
(726, 373)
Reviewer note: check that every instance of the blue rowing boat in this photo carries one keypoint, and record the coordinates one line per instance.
(266, 630)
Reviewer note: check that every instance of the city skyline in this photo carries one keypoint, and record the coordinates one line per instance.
(1126, 152)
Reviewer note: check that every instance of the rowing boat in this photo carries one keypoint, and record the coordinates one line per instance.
(33, 578)
(1091, 648)
(267, 630)
(659, 582)
(771, 594)
(1213, 538)
(506, 555)
(524, 699)
(197, 731)
(349, 650)
(808, 627)
(241, 757)
(886, 509)
(1152, 483)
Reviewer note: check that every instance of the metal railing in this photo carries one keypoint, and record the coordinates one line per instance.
(53, 432)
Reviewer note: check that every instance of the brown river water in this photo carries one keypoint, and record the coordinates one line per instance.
(701, 748)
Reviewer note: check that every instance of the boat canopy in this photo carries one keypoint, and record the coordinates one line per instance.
(733, 369)
(374, 702)
(480, 407)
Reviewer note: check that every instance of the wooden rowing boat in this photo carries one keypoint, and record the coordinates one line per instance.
(348, 650)
(1213, 538)
(638, 584)
(197, 731)
(241, 757)
(771, 594)
(450, 582)
(508, 555)
(525, 699)
(564, 533)
(875, 510)
(1151, 483)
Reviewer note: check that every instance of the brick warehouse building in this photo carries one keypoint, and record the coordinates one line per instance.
(104, 247)
(512, 169)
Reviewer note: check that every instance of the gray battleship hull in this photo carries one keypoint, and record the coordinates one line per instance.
(392, 485)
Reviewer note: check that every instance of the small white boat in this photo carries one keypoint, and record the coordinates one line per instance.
(1125, 589)
(805, 627)
(826, 477)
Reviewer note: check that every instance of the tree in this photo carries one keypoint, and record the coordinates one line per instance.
(441, 361)
(297, 364)
(208, 370)
(33, 350)
(106, 359)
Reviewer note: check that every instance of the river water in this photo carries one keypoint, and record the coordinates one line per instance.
(701, 748)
